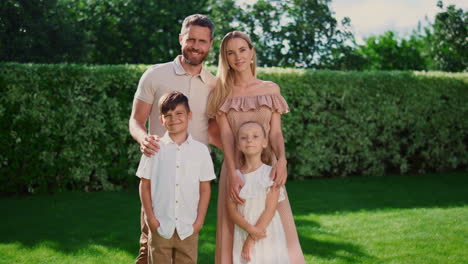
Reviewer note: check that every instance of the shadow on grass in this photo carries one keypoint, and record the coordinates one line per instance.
(72, 222)
(327, 249)
(325, 196)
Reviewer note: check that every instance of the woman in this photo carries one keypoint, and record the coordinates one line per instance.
(239, 97)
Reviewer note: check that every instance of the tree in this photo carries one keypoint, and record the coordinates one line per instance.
(449, 41)
(136, 31)
(39, 31)
(289, 33)
(225, 14)
(388, 52)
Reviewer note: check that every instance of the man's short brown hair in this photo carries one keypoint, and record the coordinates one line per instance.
(197, 20)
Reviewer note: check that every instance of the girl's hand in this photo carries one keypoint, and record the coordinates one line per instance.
(279, 173)
(247, 248)
(257, 233)
(235, 185)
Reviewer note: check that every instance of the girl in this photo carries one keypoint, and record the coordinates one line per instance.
(258, 213)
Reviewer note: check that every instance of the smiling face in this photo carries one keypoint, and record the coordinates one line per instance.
(239, 54)
(176, 121)
(251, 139)
(195, 44)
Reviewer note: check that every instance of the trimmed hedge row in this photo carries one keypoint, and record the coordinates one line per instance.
(66, 126)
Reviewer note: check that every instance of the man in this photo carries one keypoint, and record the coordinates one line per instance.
(186, 75)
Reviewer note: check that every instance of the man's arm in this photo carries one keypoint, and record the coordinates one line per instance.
(137, 128)
(147, 202)
(205, 193)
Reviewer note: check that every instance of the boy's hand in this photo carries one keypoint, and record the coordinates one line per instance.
(149, 146)
(197, 227)
(247, 248)
(153, 225)
(257, 233)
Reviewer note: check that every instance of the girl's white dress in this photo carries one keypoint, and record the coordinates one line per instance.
(271, 249)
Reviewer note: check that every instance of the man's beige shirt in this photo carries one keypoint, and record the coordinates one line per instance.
(167, 77)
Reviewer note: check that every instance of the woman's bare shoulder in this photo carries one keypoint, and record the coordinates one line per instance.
(270, 87)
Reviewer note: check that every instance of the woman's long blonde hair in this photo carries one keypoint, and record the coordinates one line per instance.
(225, 75)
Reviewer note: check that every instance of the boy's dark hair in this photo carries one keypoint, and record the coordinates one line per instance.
(197, 20)
(171, 100)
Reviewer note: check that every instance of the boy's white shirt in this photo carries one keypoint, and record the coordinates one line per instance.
(175, 173)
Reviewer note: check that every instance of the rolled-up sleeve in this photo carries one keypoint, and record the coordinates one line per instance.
(147, 166)
(207, 169)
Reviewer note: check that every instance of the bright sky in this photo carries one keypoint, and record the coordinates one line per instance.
(373, 17)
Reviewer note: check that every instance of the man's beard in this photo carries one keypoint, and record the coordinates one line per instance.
(193, 61)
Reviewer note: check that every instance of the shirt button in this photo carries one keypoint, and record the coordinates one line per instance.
(176, 201)
(177, 166)
(178, 148)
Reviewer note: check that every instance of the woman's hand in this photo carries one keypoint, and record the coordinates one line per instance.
(235, 185)
(279, 173)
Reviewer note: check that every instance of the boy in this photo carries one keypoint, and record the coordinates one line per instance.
(175, 186)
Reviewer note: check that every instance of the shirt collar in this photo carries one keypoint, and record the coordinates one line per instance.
(179, 70)
(166, 139)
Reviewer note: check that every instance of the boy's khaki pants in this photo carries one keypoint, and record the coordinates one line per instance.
(155, 249)
(173, 250)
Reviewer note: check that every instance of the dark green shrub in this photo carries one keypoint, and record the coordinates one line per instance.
(66, 126)
(373, 123)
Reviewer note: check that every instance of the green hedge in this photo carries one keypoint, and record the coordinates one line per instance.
(66, 126)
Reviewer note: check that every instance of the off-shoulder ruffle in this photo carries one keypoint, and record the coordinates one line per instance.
(275, 102)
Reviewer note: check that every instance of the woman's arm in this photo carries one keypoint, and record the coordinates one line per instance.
(254, 231)
(279, 172)
(214, 134)
(227, 140)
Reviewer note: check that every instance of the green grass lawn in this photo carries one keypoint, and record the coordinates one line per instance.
(398, 219)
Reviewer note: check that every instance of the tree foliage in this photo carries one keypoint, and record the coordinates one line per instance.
(449, 42)
(289, 33)
(388, 52)
(40, 31)
(442, 45)
(286, 33)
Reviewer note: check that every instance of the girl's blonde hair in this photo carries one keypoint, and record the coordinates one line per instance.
(225, 75)
(266, 152)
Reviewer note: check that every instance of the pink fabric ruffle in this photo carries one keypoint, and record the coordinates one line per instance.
(275, 102)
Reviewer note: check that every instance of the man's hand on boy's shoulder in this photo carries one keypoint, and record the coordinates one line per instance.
(149, 146)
